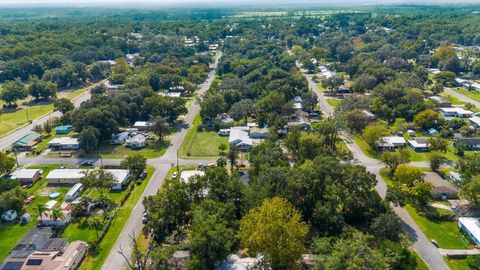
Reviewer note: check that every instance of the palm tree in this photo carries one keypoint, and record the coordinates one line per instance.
(40, 209)
(57, 214)
(95, 223)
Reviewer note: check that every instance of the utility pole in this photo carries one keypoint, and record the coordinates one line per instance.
(178, 168)
(26, 111)
(16, 159)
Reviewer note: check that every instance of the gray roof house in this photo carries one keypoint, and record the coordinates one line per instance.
(240, 140)
(470, 143)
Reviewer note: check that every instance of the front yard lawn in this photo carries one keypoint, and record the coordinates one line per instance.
(445, 232)
(201, 144)
(95, 258)
(366, 148)
(457, 264)
(334, 102)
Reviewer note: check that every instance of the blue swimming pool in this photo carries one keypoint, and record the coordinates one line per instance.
(54, 195)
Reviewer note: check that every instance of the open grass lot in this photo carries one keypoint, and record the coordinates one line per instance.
(366, 148)
(475, 95)
(454, 100)
(446, 233)
(457, 264)
(95, 259)
(334, 102)
(321, 88)
(105, 150)
(12, 120)
(11, 233)
(201, 145)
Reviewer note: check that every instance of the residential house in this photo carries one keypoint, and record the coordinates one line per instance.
(63, 129)
(67, 259)
(390, 143)
(224, 118)
(64, 143)
(9, 215)
(236, 261)
(442, 189)
(240, 140)
(136, 142)
(27, 142)
(441, 101)
(186, 176)
(455, 177)
(471, 226)
(419, 144)
(470, 143)
(475, 120)
(47, 218)
(455, 112)
(299, 120)
(142, 125)
(342, 89)
(120, 138)
(73, 176)
(26, 176)
(74, 192)
(258, 133)
(432, 132)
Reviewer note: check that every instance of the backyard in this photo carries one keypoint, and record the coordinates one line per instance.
(201, 144)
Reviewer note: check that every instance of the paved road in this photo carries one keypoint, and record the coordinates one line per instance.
(427, 251)
(461, 97)
(7, 140)
(162, 166)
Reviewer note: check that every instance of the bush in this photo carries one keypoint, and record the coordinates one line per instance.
(439, 214)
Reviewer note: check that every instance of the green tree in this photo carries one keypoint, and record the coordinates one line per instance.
(394, 159)
(57, 214)
(438, 144)
(63, 105)
(387, 225)
(99, 180)
(40, 89)
(436, 159)
(373, 132)
(212, 104)
(471, 190)
(408, 175)
(427, 119)
(7, 163)
(211, 234)
(95, 223)
(89, 138)
(40, 209)
(135, 164)
(160, 127)
(13, 91)
(276, 230)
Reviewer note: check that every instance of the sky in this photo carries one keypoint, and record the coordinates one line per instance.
(182, 3)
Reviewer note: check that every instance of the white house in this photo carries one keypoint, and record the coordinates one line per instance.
(185, 176)
(119, 138)
(475, 120)
(74, 192)
(471, 226)
(224, 132)
(455, 112)
(240, 140)
(419, 144)
(390, 142)
(47, 218)
(26, 176)
(137, 141)
(64, 143)
(142, 125)
(73, 176)
(9, 215)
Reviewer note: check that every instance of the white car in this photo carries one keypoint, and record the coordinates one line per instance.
(174, 175)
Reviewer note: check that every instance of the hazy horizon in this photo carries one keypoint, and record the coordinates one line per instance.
(219, 3)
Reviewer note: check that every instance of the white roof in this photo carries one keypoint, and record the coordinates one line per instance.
(64, 141)
(51, 204)
(24, 173)
(74, 189)
(118, 174)
(455, 110)
(392, 140)
(471, 225)
(141, 124)
(235, 262)
(252, 124)
(475, 120)
(186, 175)
(417, 144)
(238, 136)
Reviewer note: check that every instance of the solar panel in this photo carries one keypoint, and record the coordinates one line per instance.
(34, 262)
(12, 266)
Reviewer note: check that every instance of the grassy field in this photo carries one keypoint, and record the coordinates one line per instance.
(201, 145)
(105, 150)
(454, 100)
(12, 233)
(475, 95)
(366, 148)
(457, 264)
(12, 120)
(446, 233)
(95, 259)
(334, 102)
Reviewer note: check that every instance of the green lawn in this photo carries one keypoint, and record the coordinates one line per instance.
(420, 263)
(12, 120)
(446, 233)
(154, 149)
(334, 102)
(95, 259)
(457, 264)
(475, 95)
(12, 233)
(321, 88)
(366, 148)
(201, 145)
(454, 100)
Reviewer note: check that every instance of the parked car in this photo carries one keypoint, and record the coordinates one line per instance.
(29, 200)
(63, 167)
(27, 186)
(87, 163)
(142, 175)
(435, 243)
(174, 175)
(145, 218)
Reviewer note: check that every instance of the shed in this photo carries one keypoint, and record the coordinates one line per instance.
(432, 132)
(119, 138)
(63, 129)
(25, 218)
(9, 215)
